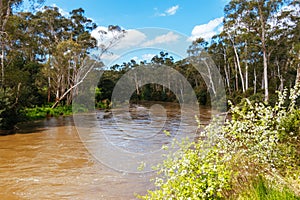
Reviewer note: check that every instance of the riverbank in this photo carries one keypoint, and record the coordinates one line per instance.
(36, 113)
(254, 155)
(46, 111)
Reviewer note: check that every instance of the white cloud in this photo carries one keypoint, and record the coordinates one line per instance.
(170, 11)
(145, 57)
(132, 37)
(166, 38)
(98, 34)
(60, 10)
(208, 30)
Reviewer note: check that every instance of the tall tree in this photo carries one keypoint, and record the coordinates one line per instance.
(257, 17)
(6, 11)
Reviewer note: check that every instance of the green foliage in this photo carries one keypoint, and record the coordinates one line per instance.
(193, 172)
(8, 110)
(258, 140)
(46, 111)
(291, 124)
(262, 190)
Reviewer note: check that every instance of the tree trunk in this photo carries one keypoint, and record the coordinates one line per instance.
(210, 78)
(49, 89)
(280, 76)
(4, 15)
(254, 82)
(297, 81)
(236, 76)
(226, 72)
(246, 69)
(264, 49)
(239, 68)
(266, 77)
(2, 63)
(238, 63)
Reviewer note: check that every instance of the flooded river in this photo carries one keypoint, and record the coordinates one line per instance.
(48, 159)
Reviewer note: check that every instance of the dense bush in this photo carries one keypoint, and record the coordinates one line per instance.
(193, 172)
(8, 111)
(258, 140)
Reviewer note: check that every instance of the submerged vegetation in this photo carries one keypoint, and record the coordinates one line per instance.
(255, 155)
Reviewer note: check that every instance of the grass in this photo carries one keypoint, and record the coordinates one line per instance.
(262, 190)
(37, 113)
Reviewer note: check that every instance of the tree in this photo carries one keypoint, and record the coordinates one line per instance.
(195, 52)
(6, 11)
(254, 19)
(81, 64)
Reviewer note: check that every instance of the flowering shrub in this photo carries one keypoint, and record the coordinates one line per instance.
(192, 173)
(258, 140)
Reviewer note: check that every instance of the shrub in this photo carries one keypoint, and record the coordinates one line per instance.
(8, 110)
(192, 173)
(257, 141)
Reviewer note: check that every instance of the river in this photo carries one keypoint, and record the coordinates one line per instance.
(48, 159)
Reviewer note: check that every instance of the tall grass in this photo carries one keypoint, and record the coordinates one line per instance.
(263, 190)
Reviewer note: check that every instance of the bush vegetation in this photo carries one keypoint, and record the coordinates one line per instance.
(254, 155)
(46, 111)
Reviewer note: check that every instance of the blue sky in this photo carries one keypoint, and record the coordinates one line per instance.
(191, 18)
(148, 13)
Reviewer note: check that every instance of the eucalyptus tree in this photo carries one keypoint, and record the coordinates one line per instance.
(52, 29)
(18, 68)
(219, 51)
(199, 50)
(6, 11)
(293, 37)
(68, 57)
(71, 43)
(254, 21)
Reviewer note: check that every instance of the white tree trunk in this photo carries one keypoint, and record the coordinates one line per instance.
(239, 68)
(297, 81)
(226, 72)
(264, 49)
(210, 78)
(254, 82)
(246, 67)
(238, 63)
(266, 77)
(236, 76)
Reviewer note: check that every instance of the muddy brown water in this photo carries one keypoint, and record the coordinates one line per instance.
(48, 160)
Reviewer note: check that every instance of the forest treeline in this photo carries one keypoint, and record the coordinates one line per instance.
(257, 53)
(45, 55)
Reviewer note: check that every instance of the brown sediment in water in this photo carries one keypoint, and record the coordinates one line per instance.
(47, 160)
